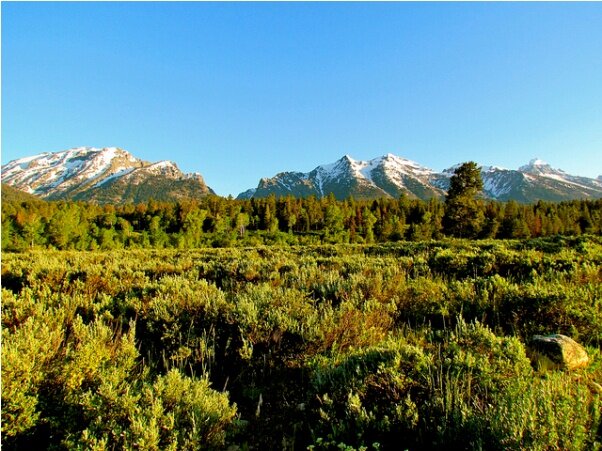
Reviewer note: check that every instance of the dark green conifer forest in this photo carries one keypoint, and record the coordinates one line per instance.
(221, 222)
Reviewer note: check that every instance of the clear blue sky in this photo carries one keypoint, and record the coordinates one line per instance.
(239, 91)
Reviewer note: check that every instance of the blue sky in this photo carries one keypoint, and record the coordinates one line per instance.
(239, 91)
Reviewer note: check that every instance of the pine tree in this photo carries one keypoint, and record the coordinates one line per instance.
(463, 214)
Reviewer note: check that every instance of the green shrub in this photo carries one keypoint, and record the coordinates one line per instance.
(555, 412)
(172, 413)
(369, 395)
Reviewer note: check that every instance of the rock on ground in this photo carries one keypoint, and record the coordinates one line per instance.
(557, 352)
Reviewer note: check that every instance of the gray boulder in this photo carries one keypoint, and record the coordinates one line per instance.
(557, 352)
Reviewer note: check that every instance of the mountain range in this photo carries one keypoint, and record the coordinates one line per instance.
(392, 176)
(113, 175)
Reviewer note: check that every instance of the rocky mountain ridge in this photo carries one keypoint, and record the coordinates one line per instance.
(103, 175)
(392, 176)
(113, 175)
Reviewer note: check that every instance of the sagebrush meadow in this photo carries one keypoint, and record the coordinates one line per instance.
(386, 346)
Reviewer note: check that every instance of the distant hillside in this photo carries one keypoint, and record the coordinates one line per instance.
(108, 175)
(10, 194)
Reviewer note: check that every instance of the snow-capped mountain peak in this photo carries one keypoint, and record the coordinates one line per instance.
(395, 163)
(73, 173)
(539, 167)
(493, 168)
(60, 172)
(163, 167)
(537, 162)
(385, 176)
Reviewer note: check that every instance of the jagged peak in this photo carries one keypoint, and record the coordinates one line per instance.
(403, 164)
(539, 167)
(493, 168)
(164, 164)
(534, 163)
(392, 157)
(88, 150)
(537, 162)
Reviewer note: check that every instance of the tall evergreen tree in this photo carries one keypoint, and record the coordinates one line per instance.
(463, 213)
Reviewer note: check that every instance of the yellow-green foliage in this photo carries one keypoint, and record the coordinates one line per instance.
(28, 355)
(83, 382)
(172, 413)
(382, 346)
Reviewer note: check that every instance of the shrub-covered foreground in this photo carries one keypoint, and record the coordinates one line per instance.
(404, 346)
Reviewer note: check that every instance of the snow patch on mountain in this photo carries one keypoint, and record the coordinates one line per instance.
(73, 171)
(334, 170)
(114, 176)
(50, 172)
(496, 187)
(540, 167)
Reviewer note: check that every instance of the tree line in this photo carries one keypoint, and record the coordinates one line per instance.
(219, 222)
